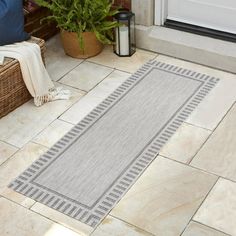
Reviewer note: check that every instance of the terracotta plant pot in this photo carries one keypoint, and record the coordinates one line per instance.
(72, 48)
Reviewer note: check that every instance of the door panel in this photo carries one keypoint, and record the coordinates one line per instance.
(214, 14)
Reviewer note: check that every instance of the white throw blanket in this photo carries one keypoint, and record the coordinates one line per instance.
(34, 73)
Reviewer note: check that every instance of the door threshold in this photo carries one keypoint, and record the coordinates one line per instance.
(191, 47)
(200, 30)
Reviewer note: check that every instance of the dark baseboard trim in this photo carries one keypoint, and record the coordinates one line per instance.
(200, 30)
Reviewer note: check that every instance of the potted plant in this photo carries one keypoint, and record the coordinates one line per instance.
(85, 25)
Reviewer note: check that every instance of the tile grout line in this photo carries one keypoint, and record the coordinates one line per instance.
(10, 157)
(98, 64)
(41, 131)
(3, 141)
(197, 126)
(70, 86)
(211, 227)
(210, 190)
(19, 149)
(57, 118)
(213, 131)
(95, 84)
(34, 142)
(47, 124)
(85, 91)
(117, 218)
(11, 154)
(57, 222)
(68, 122)
(17, 203)
(35, 202)
(85, 94)
(199, 169)
(193, 167)
(68, 71)
(115, 68)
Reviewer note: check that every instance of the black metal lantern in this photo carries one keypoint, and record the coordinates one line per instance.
(125, 44)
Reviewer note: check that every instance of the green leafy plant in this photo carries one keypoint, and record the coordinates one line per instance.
(83, 16)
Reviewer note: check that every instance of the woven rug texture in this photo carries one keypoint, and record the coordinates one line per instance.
(89, 170)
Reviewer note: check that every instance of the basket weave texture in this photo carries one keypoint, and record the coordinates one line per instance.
(13, 92)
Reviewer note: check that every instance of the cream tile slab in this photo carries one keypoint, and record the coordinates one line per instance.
(128, 64)
(16, 165)
(196, 229)
(218, 154)
(115, 227)
(185, 143)
(21, 125)
(115, 79)
(94, 97)
(86, 76)
(78, 111)
(213, 108)
(164, 198)
(219, 209)
(53, 133)
(6, 151)
(17, 197)
(15, 220)
(62, 219)
(57, 62)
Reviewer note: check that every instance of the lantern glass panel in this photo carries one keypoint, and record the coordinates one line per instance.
(122, 39)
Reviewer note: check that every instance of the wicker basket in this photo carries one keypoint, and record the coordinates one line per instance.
(36, 27)
(13, 91)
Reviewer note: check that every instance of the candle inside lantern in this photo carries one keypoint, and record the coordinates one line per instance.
(122, 39)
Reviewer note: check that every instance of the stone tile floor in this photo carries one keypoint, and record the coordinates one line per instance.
(189, 190)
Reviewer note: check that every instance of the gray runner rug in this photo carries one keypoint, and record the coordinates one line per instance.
(89, 170)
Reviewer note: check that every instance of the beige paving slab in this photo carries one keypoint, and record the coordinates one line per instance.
(128, 64)
(196, 229)
(21, 125)
(164, 198)
(94, 97)
(62, 219)
(86, 76)
(219, 209)
(57, 62)
(17, 197)
(16, 165)
(219, 152)
(6, 151)
(16, 220)
(115, 227)
(53, 133)
(213, 108)
(185, 143)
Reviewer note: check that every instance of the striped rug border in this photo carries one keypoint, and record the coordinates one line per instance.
(94, 216)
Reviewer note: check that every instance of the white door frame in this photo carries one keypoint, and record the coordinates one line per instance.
(161, 11)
